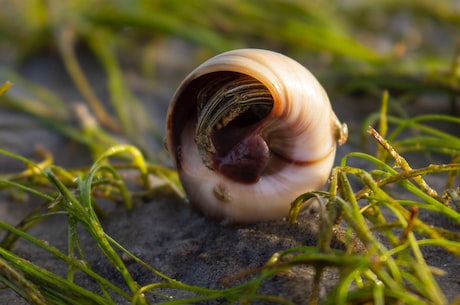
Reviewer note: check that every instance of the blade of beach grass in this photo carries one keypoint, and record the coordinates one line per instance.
(89, 133)
(415, 122)
(133, 118)
(77, 210)
(82, 209)
(35, 97)
(402, 248)
(50, 284)
(5, 87)
(66, 41)
(379, 259)
(161, 20)
(66, 28)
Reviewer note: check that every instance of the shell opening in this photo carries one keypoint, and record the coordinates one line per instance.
(230, 110)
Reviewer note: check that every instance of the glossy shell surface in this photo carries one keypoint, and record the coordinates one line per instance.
(300, 132)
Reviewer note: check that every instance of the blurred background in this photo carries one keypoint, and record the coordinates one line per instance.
(90, 73)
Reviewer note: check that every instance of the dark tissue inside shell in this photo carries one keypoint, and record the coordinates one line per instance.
(241, 153)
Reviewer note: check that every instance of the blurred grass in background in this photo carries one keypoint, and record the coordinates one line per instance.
(411, 36)
(353, 46)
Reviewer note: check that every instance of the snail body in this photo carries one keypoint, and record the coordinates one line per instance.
(250, 130)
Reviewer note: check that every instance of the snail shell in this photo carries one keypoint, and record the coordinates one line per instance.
(249, 130)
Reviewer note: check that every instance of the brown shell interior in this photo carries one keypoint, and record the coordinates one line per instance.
(185, 110)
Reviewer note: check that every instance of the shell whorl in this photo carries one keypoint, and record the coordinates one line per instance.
(250, 130)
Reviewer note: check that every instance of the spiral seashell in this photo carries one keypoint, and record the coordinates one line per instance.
(250, 130)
